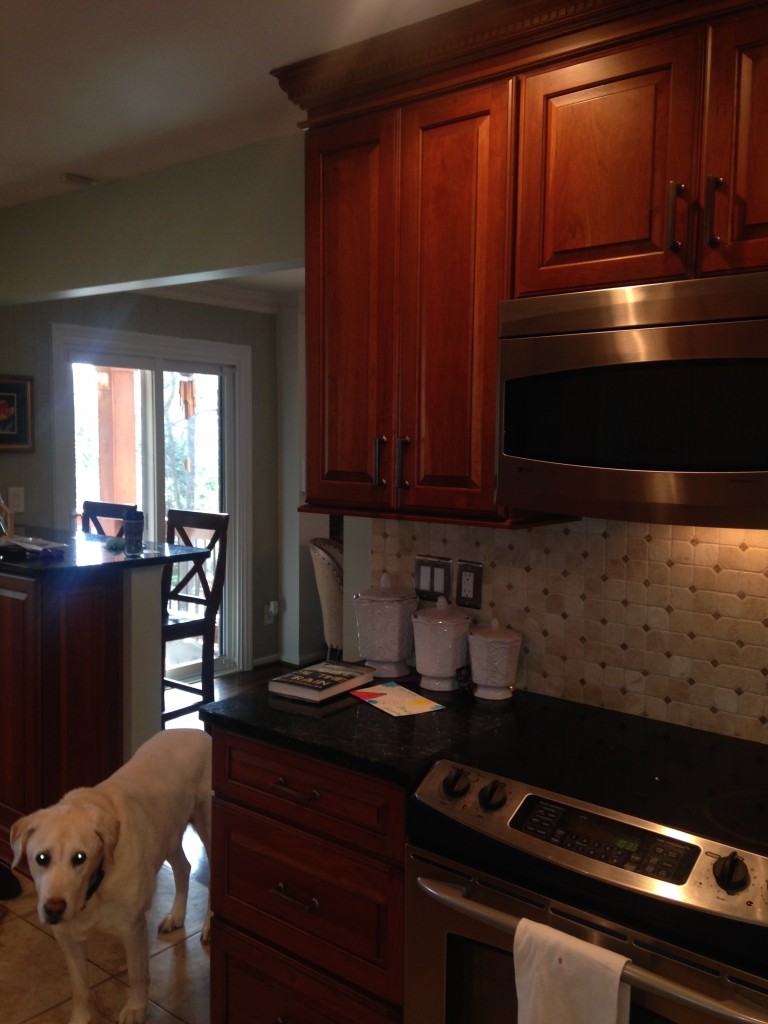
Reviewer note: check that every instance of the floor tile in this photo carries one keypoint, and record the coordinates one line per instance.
(33, 975)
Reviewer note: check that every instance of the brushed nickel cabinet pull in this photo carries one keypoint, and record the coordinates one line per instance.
(399, 482)
(377, 443)
(282, 787)
(714, 182)
(674, 189)
(310, 906)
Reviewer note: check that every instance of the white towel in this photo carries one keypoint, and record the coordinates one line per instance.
(562, 979)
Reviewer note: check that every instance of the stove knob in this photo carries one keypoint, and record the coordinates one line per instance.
(493, 795)
(731, 873)
(456, 783)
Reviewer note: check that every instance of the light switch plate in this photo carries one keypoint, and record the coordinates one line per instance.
(469, 584)
(432, 577)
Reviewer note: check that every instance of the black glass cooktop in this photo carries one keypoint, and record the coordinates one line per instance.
(695, 781)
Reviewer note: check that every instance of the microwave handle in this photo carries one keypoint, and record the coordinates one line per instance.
(454, 897)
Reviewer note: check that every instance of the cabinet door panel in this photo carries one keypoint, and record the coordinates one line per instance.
(602, 140)
(20, 790)
(337, 909)
(350, 309)
(255, 984)
(734, 186)
(453, 270)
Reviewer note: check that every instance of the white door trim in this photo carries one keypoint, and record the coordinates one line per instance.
(72, 343)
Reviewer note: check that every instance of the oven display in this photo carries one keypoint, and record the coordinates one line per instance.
(591, 835)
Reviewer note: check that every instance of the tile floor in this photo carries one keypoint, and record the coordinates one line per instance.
(34, 983)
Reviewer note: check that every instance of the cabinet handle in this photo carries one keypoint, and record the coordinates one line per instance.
(674, 189)
(377, 443)
(714, 182)
(399, 482)
(282, 787)
(310, 906)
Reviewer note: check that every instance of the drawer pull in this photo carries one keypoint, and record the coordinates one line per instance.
(282, 787)
(310, 907)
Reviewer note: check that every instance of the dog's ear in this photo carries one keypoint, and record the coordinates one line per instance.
(108, 831)
(20, 833)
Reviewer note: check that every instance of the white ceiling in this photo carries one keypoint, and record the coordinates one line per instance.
(108, 89)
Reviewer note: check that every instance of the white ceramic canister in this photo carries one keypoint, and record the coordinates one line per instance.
(493, 655)
(440, 637)
(384, 628)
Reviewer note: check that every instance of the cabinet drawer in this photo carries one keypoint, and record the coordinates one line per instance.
(332, 802)
(339, 909)
(251, 984)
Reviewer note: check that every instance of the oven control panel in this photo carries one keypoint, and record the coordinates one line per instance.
(606, 840)
(609, 846)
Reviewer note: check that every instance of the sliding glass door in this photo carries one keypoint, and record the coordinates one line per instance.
(160, 423)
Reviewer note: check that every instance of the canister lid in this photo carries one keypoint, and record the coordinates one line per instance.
(386, 591)
(496, 633)
(442, 612)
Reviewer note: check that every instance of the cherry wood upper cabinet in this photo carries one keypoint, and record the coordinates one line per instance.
(351, 186)
(734, 185)
(607, 156)
(407, 260)
(454, 265)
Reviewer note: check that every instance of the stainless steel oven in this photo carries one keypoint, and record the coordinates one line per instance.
(690, 912)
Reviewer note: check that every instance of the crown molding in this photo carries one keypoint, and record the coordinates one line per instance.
(481, 32)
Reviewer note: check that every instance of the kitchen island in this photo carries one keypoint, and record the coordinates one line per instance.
(80, 635)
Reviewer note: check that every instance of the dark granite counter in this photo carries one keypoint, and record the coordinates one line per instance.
(686, 778)
(353, 734)
(56, 551)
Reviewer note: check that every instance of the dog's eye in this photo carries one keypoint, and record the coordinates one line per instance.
(78, 858)
(42, 859)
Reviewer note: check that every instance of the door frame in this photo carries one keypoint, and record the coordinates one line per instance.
(75, 343)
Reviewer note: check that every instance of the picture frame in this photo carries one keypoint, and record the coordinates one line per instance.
(16, 414)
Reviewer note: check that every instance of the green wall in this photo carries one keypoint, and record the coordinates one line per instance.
(238, 210)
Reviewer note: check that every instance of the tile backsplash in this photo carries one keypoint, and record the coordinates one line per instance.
(670, 622)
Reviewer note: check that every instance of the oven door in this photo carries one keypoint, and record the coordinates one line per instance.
(459, 966)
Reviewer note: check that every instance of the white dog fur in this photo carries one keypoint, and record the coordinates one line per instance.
(94, 857)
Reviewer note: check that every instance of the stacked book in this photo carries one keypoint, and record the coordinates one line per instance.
(320, 682)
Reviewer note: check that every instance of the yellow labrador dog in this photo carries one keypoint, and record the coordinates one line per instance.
(94, 856)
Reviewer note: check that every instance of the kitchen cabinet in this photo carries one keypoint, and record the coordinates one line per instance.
(407, 259)
(612, 188)
(350, 299)
(606, 145)
(734, 186)
(62, 680)
(308, 889)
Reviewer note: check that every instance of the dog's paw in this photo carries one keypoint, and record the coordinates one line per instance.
(205, 933)
(169, 924)
(132, 1014)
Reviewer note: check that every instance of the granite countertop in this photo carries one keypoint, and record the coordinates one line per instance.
(353, 734)
(61, 551)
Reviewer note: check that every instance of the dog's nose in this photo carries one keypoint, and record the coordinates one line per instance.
(54, 909)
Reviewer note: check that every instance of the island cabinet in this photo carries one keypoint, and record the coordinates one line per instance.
(407, 259)
(646, 163)
(61, 687)
(307, 891)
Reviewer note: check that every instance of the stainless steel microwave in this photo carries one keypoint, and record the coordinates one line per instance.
(646, 403)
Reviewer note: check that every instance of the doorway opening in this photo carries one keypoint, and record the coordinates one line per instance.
(163, 423)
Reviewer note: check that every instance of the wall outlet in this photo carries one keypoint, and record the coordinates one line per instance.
(433, 577)
(16, 499)
(469, 584)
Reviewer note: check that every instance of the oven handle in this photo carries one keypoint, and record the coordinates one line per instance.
(454, 896)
